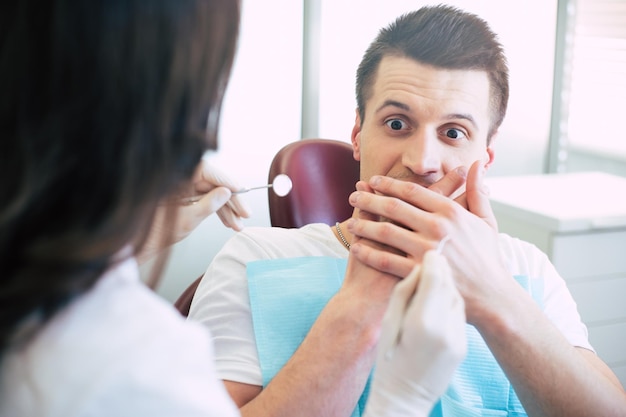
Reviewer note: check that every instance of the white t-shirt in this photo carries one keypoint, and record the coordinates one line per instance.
(118, 350)
(222, 302)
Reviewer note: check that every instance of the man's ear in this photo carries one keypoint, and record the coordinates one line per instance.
(490, 152)
(490, 157)
(356, 137)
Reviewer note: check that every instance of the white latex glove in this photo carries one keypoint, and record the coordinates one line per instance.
(210, 192)
(217, 188)
(422, 342)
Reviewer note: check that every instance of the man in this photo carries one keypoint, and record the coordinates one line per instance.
(432, 91)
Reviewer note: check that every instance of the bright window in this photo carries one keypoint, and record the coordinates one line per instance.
(593, 95)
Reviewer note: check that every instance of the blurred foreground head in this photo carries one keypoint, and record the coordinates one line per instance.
(107, 106)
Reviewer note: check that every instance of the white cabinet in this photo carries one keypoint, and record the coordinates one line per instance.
(579, 221)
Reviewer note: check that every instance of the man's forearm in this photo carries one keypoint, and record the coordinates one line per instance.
(327, 374)
(550, 376)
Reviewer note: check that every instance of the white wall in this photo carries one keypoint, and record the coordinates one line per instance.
(262, 108)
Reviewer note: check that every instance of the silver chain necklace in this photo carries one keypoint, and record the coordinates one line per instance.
(342, 237)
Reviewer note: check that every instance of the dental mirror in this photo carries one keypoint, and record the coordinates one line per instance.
(281, 186)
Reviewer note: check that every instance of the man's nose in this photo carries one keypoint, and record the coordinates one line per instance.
(421, 154)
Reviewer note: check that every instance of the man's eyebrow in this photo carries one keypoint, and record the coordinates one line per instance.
(467, 117)
(405, 107)
(393, 103)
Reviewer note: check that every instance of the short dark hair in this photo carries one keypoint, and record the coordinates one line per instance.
(443, 37)
(106, 108)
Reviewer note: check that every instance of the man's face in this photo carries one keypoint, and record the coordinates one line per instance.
(421, 122)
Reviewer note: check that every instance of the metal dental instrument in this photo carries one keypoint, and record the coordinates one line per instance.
(281, 185)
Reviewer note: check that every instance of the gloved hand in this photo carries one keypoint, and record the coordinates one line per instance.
(422, 342)
(217, 188)
(210, 191)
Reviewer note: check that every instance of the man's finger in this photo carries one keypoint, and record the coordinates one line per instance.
(451, 182)
(478, 196)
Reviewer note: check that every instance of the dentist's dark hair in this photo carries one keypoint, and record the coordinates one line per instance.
(106, 108)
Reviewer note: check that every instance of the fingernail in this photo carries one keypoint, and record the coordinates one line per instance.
(350, 224)
(354, 197)
(375, 180)
(462, 171)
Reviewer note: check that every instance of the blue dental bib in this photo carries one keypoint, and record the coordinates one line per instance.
(287, 296)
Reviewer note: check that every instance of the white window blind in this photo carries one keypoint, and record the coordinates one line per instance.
(596, 102)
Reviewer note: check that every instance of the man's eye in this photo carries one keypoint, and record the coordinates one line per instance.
(395, 124)
(454, 134)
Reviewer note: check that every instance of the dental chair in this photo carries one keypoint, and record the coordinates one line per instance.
(323, 173)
